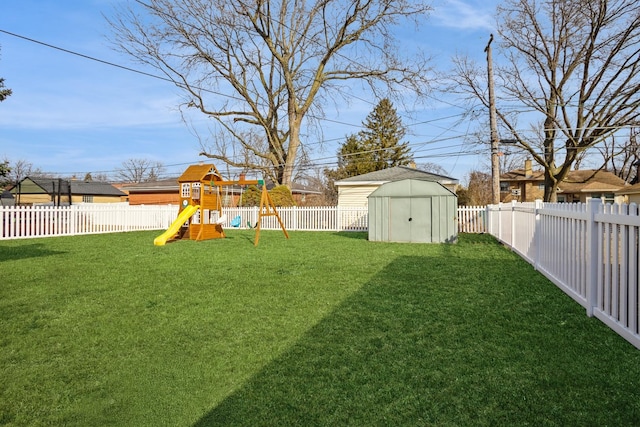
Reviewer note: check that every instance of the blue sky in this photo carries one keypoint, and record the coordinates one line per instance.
(70, 115)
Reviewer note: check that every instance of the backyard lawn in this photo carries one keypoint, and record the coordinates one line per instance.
(323, 329)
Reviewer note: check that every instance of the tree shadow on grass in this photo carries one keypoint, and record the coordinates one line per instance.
(36, 250)
(414, 348)
(359, 235)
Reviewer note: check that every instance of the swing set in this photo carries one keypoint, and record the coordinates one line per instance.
(201, 215)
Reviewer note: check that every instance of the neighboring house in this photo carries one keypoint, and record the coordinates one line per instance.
(631, 194)
(39, 191)
(161, 192)
(527, 185)
(167, 191)
(353, 191)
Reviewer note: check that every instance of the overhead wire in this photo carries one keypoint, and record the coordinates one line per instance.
(166, 79)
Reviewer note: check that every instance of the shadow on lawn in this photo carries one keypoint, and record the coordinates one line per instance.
(36, 250)
(359, 235)
(414, 346)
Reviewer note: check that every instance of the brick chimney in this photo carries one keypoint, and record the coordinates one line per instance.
(528, 172)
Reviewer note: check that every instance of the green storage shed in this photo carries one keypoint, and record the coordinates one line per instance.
(413, 211)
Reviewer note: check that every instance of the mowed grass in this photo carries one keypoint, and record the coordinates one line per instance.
(323, 329)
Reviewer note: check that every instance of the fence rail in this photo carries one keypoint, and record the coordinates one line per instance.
(590, 251)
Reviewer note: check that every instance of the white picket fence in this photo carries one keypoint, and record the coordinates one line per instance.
(47, 221)
(590, 251)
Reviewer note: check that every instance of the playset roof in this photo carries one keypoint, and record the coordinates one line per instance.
(197, 173)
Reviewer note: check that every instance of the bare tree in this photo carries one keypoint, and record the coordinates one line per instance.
(479, 191)
(432, 167)
(140, 170)
(575, 65)
(21, 169)
(622, 156)
(259, 67)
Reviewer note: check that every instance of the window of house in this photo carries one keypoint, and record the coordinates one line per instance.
(605, 197)
(87, 199)
(541, 186)
(504, 186)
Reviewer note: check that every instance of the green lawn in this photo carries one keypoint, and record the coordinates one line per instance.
(323, 329)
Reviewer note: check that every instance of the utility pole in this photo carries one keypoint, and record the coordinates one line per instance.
(495, 161)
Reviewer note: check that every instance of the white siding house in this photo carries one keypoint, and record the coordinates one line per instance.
(630, 194)
(353, 191)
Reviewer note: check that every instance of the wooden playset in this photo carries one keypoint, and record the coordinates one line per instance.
(200, 216)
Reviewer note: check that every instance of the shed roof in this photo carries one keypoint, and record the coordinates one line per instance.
(411, 188)
(396, 173)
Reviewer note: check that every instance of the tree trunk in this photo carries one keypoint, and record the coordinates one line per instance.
(292, 150)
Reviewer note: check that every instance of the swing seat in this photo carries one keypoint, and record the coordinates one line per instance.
(235, 222)
(221, 220)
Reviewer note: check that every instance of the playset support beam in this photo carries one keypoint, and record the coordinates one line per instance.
(267, 208)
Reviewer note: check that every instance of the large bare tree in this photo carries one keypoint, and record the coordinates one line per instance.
(570, 69)
(140, 170)
(258, 68)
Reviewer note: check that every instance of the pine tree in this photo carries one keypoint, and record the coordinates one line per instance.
(4, 93)
(382, 135)
(374, 148)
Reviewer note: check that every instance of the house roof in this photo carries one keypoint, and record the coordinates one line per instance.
(631, 189)
(52, 186)
(590, 181)
(171, 185)
(395, 173)
(521, 175)
(159, 186)
(576, 181)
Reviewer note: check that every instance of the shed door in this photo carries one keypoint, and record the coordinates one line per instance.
(410, 219)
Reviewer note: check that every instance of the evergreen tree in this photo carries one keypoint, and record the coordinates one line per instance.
(4, 93)
(382, 135)
(378, 146)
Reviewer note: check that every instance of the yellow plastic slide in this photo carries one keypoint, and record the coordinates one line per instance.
(175, 225)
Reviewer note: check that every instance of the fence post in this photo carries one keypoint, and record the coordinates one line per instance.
(513, 224)
(536, 233)
(592, 255)
(487, 220)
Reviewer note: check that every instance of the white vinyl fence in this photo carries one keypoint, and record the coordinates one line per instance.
(472, 219)
(590, 251)
(47, 221)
